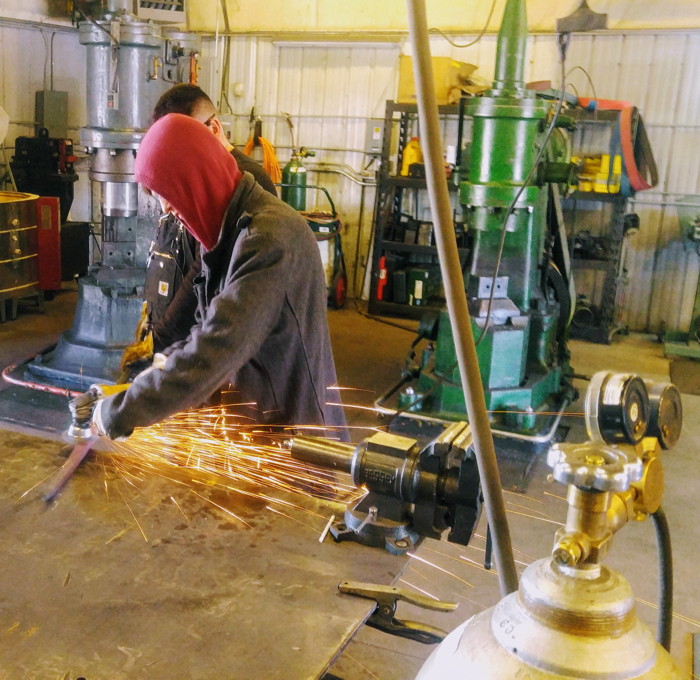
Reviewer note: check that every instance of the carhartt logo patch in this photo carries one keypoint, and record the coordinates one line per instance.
(163, 288)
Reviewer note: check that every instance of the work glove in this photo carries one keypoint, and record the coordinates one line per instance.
(143, 328)
(141, 350)
(86, 409)
(137, 353)
(83, 406)
(158, 361)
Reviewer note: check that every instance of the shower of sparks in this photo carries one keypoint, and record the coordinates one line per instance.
(177, 505)
(223, 509)
(337, 388)
(435, 566)
(364, 668)
(553, 495)
(680, 617)
(461, 559)
(145, 538)
(116, 536)
(294, 519)
(358, 407)
(211, 449)
(420, 590)
(34, 487)
(522, 497)
(481, 567)
(541, 519)
(567, 414)
(524, 507)
(415, 571)
(520, 553)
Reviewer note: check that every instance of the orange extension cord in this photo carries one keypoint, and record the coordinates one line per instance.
(270, 163)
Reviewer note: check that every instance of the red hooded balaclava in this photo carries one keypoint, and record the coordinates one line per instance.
(182, 161)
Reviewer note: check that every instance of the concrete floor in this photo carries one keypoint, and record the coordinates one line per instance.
(369, 355)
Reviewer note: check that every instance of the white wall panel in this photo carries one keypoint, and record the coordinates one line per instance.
(25, 67)
(331, 92)
(689, 96)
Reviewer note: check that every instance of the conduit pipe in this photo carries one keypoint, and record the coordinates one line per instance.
(453, 281)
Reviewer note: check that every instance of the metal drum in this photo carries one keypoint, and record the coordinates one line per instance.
(19, 271)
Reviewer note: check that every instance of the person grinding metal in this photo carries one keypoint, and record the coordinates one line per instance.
(261, 296)
(174, 258)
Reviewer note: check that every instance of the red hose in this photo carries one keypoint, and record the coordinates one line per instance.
(61, 391)
(636, 176)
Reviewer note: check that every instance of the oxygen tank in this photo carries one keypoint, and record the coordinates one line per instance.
(294, 180)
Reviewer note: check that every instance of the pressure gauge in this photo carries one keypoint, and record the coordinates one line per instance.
(617, 408)
(666, 413)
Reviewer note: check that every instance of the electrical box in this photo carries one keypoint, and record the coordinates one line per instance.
(51, 112)
(373, 141)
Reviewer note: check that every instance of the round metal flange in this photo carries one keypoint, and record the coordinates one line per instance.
(80, 431)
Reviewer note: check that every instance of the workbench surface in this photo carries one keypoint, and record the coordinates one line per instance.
(143, 578)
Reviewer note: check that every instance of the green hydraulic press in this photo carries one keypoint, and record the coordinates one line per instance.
(518, 275)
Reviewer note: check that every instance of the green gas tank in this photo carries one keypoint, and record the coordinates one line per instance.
(294, 180)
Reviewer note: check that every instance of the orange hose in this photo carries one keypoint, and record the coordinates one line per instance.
(270, 163)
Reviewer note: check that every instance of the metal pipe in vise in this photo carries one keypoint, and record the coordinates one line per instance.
(456, 296)
(324, 453)
(384, 463)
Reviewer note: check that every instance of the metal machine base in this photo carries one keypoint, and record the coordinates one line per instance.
(363, 525)
(108, 310)
(689, 349)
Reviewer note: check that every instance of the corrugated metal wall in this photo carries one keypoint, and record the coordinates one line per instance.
(331, 94)
(26, 65)
(333, 90)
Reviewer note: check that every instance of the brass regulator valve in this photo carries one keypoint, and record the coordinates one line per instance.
(617, 476)
(608, 485)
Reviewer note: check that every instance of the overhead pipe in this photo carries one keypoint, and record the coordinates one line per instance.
(455, 295)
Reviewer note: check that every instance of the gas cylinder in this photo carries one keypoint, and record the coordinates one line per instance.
(555, 627)
(294, 181)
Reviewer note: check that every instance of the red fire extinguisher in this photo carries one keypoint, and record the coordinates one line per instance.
(382, 278)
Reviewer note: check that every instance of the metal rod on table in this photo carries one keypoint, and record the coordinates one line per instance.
(456, 297)
(78, 454)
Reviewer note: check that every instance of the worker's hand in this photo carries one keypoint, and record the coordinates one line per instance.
(83, 406)
(86, 408)
(137, 352)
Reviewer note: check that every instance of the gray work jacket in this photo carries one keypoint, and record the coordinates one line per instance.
(261, 327)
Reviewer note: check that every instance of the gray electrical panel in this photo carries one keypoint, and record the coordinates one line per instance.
(373, 140)
(51, 112)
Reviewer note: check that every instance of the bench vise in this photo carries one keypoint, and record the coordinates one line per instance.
(413, 490)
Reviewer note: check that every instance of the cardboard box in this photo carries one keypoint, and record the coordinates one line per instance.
(451, 78)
